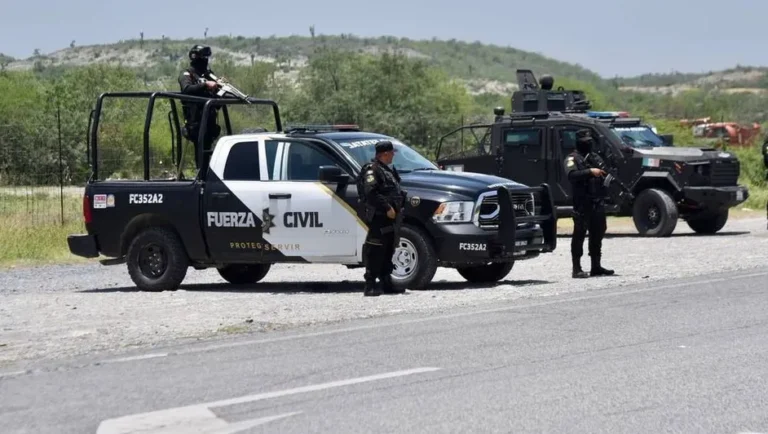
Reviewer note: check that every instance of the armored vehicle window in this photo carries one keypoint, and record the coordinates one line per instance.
(522, 137)
(568, 139)
(243, 162)
(301, 162)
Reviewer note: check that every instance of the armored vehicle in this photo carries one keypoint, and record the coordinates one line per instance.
(289, 196)
(654, 182)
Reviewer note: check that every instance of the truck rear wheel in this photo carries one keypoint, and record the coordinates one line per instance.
(486, 273)
(655, 213)
(415, 261)
(244, 274)
(157, 260)
(708, 222)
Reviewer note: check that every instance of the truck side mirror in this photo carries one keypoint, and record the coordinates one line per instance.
(332, 174)
(668, 139)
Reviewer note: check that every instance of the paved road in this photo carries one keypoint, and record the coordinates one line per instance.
(672, 356)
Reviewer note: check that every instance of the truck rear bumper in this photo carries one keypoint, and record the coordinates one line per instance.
(716, 197)
(83, 245)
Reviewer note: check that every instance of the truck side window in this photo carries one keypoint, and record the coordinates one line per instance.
(302, 162)
(243, 162)
(522, 137)
(568, 140)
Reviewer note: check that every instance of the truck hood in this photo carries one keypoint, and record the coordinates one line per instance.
(683, 154)
(464, 183)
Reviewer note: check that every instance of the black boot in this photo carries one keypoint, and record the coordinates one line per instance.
(388, 287)
(597, 269)
(577, 272)
(371, 289)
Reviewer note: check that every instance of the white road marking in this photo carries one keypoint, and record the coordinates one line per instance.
(132, 358)
(199, 418)
(11, 374)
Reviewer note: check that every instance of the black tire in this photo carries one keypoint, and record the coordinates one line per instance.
(157, 260)
(655, 213)
(708, 222)
(487, 273)
(415, 257)
(244, 274)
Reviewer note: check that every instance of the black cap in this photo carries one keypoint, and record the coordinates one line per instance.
(384, 146)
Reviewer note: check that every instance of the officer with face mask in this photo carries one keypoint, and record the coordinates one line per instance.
(589, 195)
(381, 200)
(197, 81)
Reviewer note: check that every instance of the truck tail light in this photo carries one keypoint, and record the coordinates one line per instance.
(86, 208)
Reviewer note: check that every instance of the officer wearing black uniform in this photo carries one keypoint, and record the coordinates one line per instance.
(381, 201)
(589, 195)
(196, 80)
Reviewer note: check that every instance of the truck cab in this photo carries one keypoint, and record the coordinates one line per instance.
(656, 183)
(289, 196)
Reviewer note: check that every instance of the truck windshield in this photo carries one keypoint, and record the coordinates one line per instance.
(406, 159)
(638, 137)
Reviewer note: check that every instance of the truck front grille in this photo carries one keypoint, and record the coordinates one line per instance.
(724, 172)
(488, 218)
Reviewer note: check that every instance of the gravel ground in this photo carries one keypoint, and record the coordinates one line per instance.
(45, 313)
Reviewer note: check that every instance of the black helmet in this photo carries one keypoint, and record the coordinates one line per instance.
(199, 51)
(198, 57)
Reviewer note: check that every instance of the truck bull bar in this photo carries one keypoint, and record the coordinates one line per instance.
(546, 217)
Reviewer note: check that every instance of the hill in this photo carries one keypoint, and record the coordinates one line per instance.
(746, 79)
(484, 68)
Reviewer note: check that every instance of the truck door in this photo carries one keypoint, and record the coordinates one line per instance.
(232, 227)
(564, 142)
(524, 155)
(308, 215)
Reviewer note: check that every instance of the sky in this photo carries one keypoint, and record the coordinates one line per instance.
(623, 38)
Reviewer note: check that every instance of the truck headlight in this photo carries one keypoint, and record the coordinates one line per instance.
(453, 212)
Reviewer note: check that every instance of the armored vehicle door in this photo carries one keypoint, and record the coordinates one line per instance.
(524, 152)
(564, 142)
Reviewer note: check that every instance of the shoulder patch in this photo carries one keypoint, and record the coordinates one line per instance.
(569, 162)
(186, 72)
(369, 178)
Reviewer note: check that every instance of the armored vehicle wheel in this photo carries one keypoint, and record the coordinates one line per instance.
(243, 274)
(157, 260)
(708, 222)
(655, 213)
(414, 261)
(487, 273)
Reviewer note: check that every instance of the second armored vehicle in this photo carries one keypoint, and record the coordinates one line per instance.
(656, 183)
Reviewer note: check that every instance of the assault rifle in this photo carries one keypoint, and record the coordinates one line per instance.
(594, 160)
(226, 87)
(400, 210)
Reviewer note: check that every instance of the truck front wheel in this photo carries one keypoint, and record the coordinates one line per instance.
(655, 213)
(157, 260)
(414, 261)
(244, 274)
(486, 273)
(708, 222)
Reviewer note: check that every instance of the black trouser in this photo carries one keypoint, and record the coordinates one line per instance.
(377, 254)
(589, 217)
(191, 132)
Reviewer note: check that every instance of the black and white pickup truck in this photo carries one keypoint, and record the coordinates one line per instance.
(290, 197)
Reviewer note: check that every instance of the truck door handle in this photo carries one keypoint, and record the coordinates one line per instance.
(279, 195)
(220, 194)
